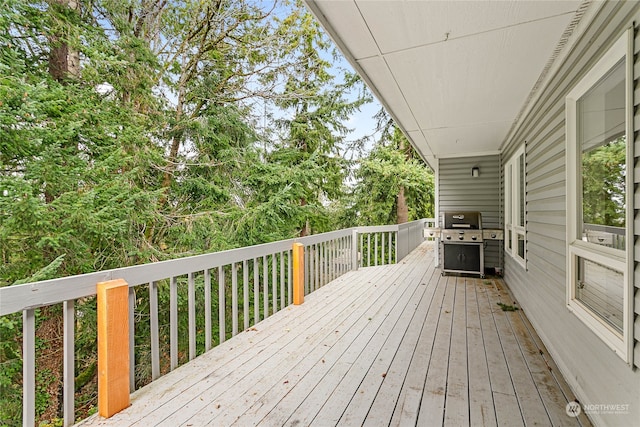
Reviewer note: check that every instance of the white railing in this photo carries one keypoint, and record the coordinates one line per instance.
(605, 235)
(252, 283)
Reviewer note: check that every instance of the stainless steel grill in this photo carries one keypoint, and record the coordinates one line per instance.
(462, 242)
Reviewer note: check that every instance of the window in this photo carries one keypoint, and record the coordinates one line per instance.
(515, 207)
(599, 217)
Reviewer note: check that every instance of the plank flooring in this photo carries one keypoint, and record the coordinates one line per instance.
(396, 345)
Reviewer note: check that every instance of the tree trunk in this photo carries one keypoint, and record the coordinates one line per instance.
(176, 140)
(64, 61)
(305, 228)
(402, 210)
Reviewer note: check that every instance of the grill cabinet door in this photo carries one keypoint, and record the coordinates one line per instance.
(465, 257)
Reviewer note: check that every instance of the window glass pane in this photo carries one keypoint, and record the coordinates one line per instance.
(602, 142)
(521, 245)
(602, 290)
(508, 195)
(521, 190)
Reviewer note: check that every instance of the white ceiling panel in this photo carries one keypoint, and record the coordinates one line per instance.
(376, 71)
(467, 140)
(420, 143)
(479, 79)
(345, 17)
(398, 24)
(454, 74)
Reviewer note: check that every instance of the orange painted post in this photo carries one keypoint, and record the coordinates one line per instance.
(298, 273)
(113, 347)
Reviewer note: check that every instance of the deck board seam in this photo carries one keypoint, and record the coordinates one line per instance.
(521, 384)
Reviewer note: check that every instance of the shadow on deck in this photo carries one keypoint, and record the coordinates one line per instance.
(388, 345)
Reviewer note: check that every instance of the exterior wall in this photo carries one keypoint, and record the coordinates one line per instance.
(457, 190)
(595, 373)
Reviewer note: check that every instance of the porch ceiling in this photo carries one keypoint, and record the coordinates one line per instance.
(455, 75)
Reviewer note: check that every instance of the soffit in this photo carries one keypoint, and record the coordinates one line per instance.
(453, 74)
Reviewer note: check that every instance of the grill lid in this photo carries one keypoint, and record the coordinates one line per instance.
(462, 220)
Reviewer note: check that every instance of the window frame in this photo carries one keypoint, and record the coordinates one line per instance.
(620, 343)
(514, 191)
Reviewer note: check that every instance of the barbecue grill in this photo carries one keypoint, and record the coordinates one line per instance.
(462, 241)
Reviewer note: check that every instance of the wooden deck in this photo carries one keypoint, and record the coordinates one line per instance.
(390, 345)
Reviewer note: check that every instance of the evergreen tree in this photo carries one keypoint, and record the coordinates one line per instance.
(306, 166)
(391, 167)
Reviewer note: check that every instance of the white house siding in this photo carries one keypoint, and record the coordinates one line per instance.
(597, 375)
(457, 190)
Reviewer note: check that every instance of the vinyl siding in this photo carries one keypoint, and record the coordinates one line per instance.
(458, 191)
(596, 374)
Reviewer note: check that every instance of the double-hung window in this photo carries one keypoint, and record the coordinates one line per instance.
(599, 198)
(515, 232)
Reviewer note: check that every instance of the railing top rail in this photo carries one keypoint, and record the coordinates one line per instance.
(606, 228)
(377, 228)
(38, 294)
(417, 222)
(324, 237)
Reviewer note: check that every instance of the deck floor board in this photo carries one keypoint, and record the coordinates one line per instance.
(481, 405)
(387, 345)
(408, 405)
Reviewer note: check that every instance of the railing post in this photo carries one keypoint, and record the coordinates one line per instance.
(298, 273)
(397, 249)
(113, 347)
(68, 362)
(28, 367)
(354, 250)
(403, 243)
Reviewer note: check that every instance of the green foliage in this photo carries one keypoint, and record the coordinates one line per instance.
(507, 307)
(381, 175)
(604, 186)
(10, 370)
(48, 272)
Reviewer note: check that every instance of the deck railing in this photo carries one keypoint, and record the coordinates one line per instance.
(605, 235)
(251, 282)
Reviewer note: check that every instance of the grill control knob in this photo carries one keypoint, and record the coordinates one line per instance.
(474, 237)
(461, 237)
(448, 237)
(493, 235)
